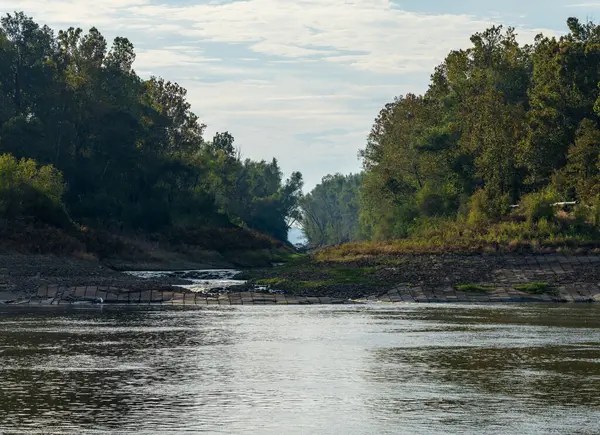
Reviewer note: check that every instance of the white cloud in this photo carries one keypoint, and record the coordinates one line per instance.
(585, 5)
(299, 68)
(171, 56)
(365, 34)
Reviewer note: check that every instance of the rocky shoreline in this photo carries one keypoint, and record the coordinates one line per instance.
(21, 276)
(426, 278)
(50, 280)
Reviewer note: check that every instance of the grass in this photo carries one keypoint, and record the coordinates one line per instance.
(535, 288)
(474, 288)
(286, 257)
(282, 284)
(513, 235)
(303, 274)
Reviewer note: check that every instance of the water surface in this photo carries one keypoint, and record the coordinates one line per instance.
(375, 369)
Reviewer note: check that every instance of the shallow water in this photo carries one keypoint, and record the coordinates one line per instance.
(203, 281)
(378, 369)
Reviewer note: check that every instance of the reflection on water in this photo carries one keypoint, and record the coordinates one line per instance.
(378, 369)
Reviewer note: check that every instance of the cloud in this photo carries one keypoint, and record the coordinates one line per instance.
(585, 5)
(370, 35)
(300, 80)
(171, 56)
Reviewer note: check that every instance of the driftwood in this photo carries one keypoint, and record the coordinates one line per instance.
(556, 204)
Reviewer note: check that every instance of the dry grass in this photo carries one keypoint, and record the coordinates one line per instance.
(510, 236)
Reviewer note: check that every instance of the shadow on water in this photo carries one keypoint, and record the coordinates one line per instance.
(102, 368)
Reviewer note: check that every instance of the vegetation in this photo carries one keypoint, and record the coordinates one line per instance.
(535, 288)
(305, 277)
(331, 211)
(27, 189)
(83, 138)
(478, 162)
(474, 288)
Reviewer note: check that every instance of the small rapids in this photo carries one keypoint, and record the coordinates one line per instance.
(203, 281)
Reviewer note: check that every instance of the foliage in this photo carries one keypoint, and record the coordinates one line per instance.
(501, 124)
(131, 151)
(30, 191)
(539, 205)
(594, 212)
(533, 287)
(485, 207)
(510, 235)
(474, 288)
(330, 212)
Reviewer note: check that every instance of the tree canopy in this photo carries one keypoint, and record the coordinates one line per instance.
(130, 150)
(330, 211)
(499, 123)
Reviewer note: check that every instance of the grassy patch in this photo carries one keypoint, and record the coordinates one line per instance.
(285, 284)
(474, 288)
(287, 257)
(535, 288)
(312, 284)
(510, 235)
(303, 276)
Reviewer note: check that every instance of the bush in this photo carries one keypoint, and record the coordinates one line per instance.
(594, 212)
(538, 205)
(486, 206)
(31, 191)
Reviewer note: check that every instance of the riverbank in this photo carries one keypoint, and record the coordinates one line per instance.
(35, 255)
(440, 278)
(22, 275)
(51, 280)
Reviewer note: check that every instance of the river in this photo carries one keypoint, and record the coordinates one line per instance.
(368, 369)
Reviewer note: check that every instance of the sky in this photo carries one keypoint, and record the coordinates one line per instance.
(299, 80)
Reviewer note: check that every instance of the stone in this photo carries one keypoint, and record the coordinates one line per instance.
(42, 291)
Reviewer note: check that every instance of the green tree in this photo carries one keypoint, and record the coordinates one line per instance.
(330, 212)
(131, 151)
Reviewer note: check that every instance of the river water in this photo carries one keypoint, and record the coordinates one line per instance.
(203, 281)
(372, 369)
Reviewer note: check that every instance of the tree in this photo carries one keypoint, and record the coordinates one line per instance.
(330, 212)
(131, 151)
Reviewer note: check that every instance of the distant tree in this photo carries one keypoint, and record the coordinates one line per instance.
(330, 212)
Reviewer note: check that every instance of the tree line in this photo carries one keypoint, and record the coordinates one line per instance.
(90, 140)
(500, 124)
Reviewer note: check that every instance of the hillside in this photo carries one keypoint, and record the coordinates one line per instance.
(98, 161)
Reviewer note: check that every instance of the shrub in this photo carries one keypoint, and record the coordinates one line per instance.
(547, 227)
(485, 206)
(581, 214)
(533, 287)
(594, 212)
(538, 205)
(31, 191)
(474, 288)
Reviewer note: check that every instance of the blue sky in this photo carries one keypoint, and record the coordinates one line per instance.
(298, 80)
